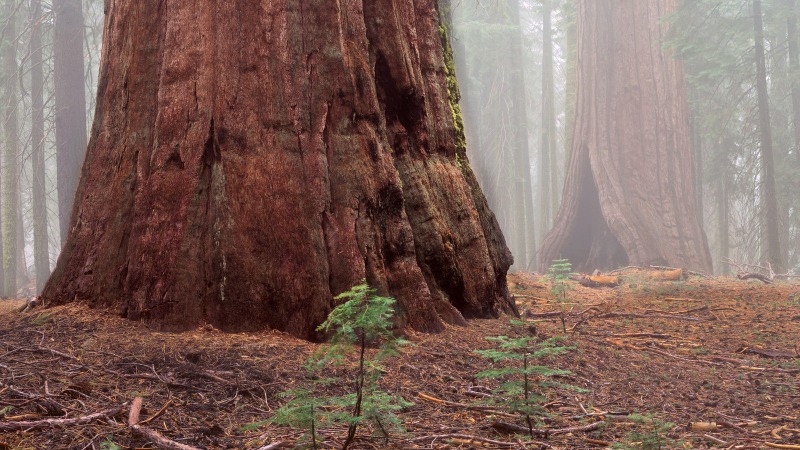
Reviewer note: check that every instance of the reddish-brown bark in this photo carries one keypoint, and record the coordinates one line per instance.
(251, 159)
(629, 195)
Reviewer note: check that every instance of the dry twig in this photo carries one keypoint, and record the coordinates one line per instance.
(152, 435)
(46, 423)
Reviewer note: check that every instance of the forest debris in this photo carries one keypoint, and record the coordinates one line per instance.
(594, 281)
(152, 435)
(765, 352)
(45, 423)
(505, 427)
(703, 426)
(757, 276)
(770, 369)
(787, 446)
(464, 439)
(486, 409)
(542, 315)
(775, 432)
(668, 275)
(714, 439)
(158, 413)
(275, 445)
(30, 303)
(597, 442)
(643, 335)
(429, 398)
(611, 315)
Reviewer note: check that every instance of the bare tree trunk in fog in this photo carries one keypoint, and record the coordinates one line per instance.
(794, 72)
(41, 251)
(697, 157)
(723, 226)
(70, 98)
(629, 194)
(548, 125)
(525, 255)
(571, 79)
(243, 175)
(10, 179)
(23, 278)
(773, 252)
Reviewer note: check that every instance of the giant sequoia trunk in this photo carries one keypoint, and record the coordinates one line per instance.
(249, 160)
(629, 194)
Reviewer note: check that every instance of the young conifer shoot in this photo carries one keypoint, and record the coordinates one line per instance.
(523, 380)
(363, 320)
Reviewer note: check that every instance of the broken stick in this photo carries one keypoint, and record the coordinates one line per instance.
(45, 423)
(152, 435)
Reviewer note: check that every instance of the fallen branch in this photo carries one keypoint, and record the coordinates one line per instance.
(643, 335)
(660, 352)
(647, 316)
(487, 409)
(714, 439)
(505, 427)
(45, 423)
(274, 445)
(757, 276)
(532, 315)
(152, 435)
(463, 439)
(158, 413)
(690, 272)
(770, 369)
(789, 446)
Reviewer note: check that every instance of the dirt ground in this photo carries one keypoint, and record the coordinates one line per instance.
(702, 363)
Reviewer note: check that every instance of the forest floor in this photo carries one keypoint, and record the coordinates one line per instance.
(707, 362)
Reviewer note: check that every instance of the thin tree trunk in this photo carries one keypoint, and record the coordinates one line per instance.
(23, 277)
(10, 179)
(770, 209)
(70, 97)
(697, 157)
(723, 235)
(571, 81)
(546, 192)
(794, 73)
(250, 160)
(525, 258)
(41, 251)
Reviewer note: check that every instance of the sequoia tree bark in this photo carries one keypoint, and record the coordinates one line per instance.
(249, 160)
(629, 192)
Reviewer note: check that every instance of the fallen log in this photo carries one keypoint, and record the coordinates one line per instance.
(668, 275)
(757, 276)
(594, 281)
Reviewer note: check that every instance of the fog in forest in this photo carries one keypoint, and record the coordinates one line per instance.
(519, 75)
(518, 65)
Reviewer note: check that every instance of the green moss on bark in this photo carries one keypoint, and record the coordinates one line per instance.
(454, 93)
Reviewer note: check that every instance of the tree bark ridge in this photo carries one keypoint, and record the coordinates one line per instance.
(251, 160)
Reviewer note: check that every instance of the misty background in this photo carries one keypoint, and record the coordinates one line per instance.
(515, 62)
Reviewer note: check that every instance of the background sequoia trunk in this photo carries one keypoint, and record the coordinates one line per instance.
(249, 160)
(629, 192)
